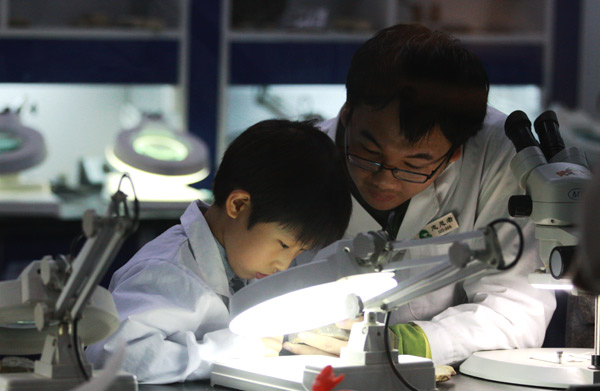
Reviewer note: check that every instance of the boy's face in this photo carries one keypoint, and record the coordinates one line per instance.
(263, 250)
(375, 135)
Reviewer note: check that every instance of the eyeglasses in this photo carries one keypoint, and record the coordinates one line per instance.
(403, 175)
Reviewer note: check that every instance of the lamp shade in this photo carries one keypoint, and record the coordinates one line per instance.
(20, 147)
(18, 298)
(156, 148)
(307, 296)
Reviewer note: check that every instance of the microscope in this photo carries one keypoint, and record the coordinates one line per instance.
(554, 179)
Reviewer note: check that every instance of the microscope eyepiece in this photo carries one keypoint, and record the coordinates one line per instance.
(547, 115)
(518, 129)
(546, 127)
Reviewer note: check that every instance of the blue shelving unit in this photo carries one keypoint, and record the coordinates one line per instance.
(88, 61)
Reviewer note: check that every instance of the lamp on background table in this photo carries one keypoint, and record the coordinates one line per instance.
(22, 148)
(162, 162)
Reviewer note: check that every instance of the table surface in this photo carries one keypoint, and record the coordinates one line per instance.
(457, 383)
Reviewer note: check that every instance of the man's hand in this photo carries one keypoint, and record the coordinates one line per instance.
(444, 373)
(272, 346)
(313, 343)
(324, 341)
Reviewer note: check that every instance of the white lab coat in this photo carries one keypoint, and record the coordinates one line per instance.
(496, 312)
(174, 319)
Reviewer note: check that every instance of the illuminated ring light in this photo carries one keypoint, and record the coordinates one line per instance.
(153, 148)
(20, 147)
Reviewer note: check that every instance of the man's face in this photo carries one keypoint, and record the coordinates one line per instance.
(374, 134)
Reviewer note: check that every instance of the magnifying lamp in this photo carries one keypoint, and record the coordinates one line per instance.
(161, 161)
(351, 277)
(56, 306)
(21, 148)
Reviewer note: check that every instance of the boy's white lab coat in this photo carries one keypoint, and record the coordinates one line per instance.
(496, 312)
(170, 301)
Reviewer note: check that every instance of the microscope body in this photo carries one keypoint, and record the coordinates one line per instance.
(554, 179)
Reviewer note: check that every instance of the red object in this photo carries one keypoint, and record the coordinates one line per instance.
(326, 380)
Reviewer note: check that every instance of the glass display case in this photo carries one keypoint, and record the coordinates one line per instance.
(293, 42)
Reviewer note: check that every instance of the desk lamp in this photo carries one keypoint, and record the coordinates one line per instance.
(21, 148)
(554, 179)
(56, 306)
(351, 276)
(161, 161)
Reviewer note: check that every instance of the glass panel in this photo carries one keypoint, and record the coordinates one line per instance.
(247, 105)
(352, 16)
(131, 14)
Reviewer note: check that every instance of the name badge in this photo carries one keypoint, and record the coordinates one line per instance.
(439, 227)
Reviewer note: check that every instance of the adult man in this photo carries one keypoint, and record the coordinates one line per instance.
(423, 149)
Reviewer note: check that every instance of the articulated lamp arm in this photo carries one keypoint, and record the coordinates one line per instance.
(105, 235)
(358, 274)
(461, 262)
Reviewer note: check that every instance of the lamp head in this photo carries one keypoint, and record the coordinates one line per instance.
(18, 332)
(154, 153)
(308, 296)
(21, 147)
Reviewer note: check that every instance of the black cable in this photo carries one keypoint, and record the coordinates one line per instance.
(521, 241)
(388, 354)
(388, 314)
(73, 247)
(136, 203)
(78, 354)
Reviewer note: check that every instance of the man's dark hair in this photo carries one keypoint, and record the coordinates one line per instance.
(434, 79)
(295, 177)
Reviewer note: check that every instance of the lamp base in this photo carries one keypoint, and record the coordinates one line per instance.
(543, 367)
(297, 373)
(28, 381)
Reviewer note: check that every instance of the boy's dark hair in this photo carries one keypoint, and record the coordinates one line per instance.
(435, 79)
(295, 177)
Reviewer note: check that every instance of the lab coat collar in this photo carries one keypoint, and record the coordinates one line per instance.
(235, 283)
(425, 206)
(228, 270)
(421, 209)
(204, 246)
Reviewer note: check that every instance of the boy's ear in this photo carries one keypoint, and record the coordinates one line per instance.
(237, 202)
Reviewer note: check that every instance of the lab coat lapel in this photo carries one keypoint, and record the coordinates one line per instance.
(425, 206)
(360, 221)
(208, 261)
(421, 209)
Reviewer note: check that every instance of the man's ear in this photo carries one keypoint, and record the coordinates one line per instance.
(345, 114)
(455, 155)
(237, 202)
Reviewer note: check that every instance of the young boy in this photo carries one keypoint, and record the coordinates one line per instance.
(280, 189)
